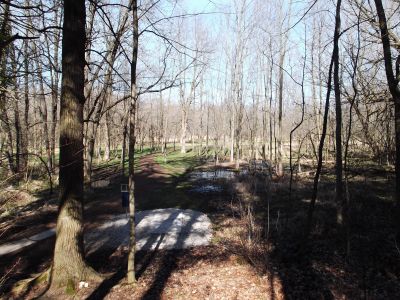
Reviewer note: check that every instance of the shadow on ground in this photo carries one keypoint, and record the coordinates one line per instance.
(319, 268)
(155, 189)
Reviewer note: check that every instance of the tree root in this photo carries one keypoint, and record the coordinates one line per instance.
(23, 287)
(70, 283)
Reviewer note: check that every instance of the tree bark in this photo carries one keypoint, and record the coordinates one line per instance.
(279, 169)
(340, 200)
(393, 84)
(69, 265)
(132, 138)
(25, 131)
(320, 153)
(183, 129)
(43, 115)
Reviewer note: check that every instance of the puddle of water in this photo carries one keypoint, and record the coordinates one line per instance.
(100, 183)
(204, 187)
(217, 174)
(207, 188)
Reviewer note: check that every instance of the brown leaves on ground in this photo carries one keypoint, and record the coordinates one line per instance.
(200, 273)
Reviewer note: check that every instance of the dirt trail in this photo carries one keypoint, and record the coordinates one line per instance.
(207, 272)
(43, 216)
(150, 169)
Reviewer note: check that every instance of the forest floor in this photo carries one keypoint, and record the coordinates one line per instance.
(249, 258)
(206, 272)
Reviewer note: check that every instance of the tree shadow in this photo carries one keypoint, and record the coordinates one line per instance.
(102, 203)
(168, 265)
(105, 287)
(145, 257)
(27, 263)
(319, 268)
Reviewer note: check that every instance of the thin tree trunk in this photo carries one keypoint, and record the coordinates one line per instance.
(43, 115)
(54, 84)
(340, 200)
(232, 151)
(17, 121)
(298, 124)
(270, 106)
(124, 135)
(25, 131)
(279, 169)
(323, 133)
(132, 139)
(284, 38)
(183, 130)
(349, 132)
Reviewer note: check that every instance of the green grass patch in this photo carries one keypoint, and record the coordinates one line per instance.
(173, 191)
(117, 160)
(178, 163)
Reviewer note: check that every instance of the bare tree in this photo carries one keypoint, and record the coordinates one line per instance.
(393, 84)
(132, 140)
(325, 122)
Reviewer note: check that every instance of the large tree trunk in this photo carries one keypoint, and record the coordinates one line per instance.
(393, 83)
(68, 263)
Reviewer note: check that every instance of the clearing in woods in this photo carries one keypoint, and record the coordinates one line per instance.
(209, 270)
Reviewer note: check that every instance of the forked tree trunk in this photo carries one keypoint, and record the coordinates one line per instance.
(69, 265)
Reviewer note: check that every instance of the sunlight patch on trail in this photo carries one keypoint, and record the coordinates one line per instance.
(168, 228)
